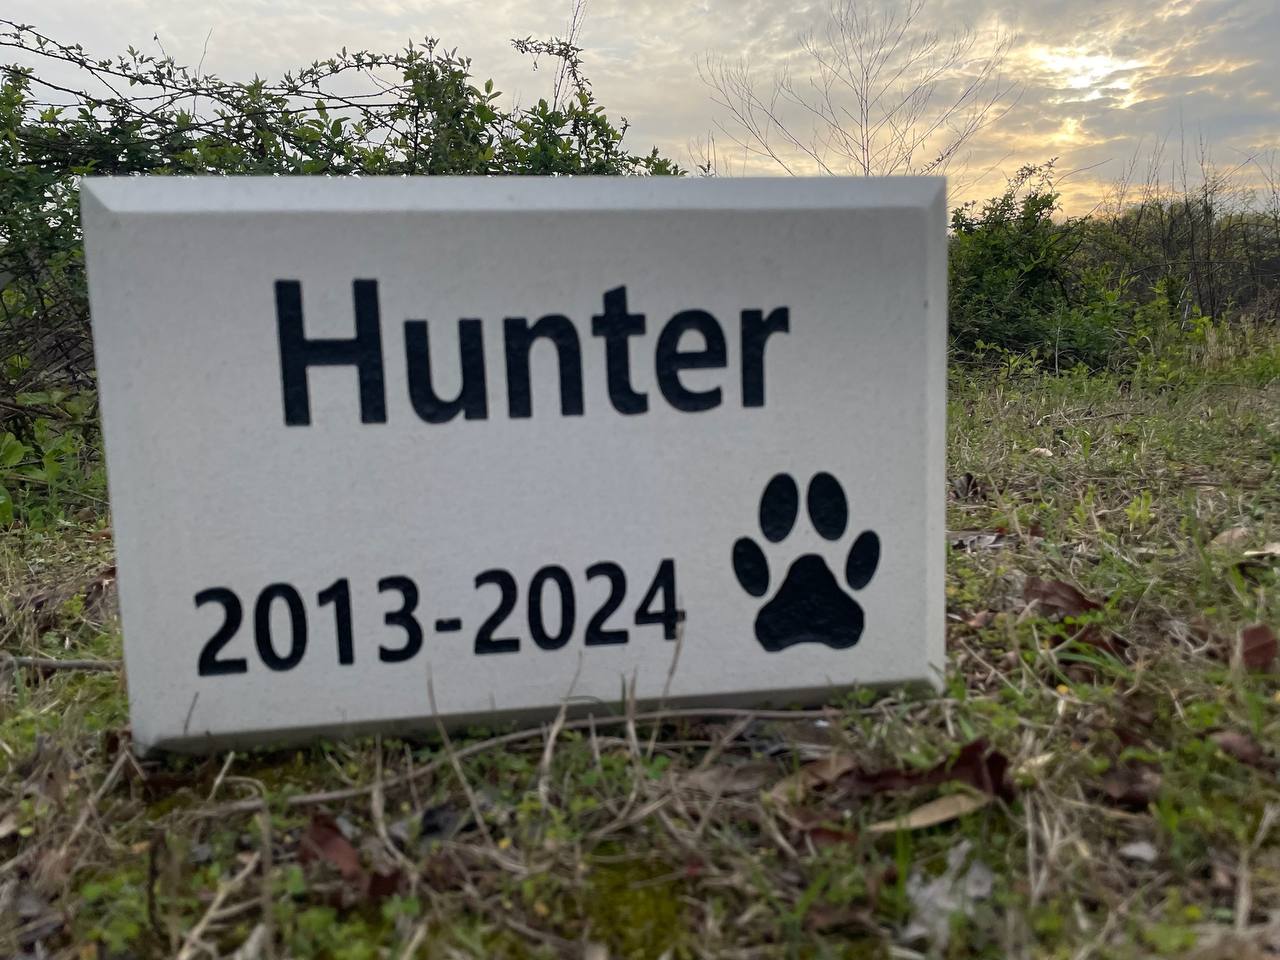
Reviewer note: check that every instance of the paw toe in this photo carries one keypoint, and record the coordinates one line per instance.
(828, 509)
(778, 507)
(751, 567)
(864, 557)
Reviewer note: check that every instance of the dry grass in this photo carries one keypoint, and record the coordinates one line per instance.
(1138, 818)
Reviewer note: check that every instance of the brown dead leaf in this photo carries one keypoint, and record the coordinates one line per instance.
(379, 886)
(1241, 746)
(981, 619)
(819, 773)
(930, 814)
(1231, 538)
(825, 917)
(977, 765)
(725, 779)
(1258, 647)
(982, 768)
(1057, 596)
(323, 842)
(824, 837)
(1132, 785)
(97, 592)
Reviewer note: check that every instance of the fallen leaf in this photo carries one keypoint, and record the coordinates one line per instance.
(1035, 764)
(324, 842)
(1139, 850)
(934, 812)
(1233, 537)
(725, 779)
(968, 487)
(794, 788)
(1132, 785)
(977, 765)
(379, 886)
(1258, 647)
(97, 591)
(971, 540)
(1241, 746)
(1057, 596)
(1040, 452)
(1222, 875)
(983, 769)
(1269, 551)
(8, 826)
(825, 837)
(823, 917)
(981, 619)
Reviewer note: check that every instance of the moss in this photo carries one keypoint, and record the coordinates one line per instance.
(633, 908)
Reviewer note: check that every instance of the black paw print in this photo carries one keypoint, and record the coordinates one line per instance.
(810, 606)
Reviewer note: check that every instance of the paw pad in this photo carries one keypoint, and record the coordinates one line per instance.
(810, 606)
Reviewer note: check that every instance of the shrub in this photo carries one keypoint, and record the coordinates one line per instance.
(419, 112)
(1014, 283)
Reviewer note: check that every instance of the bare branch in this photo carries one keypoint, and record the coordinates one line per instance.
(879, 93)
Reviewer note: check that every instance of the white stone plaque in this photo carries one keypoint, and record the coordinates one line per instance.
(528, 439)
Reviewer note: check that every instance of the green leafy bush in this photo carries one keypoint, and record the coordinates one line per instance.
(1014, 282)
(418, 111)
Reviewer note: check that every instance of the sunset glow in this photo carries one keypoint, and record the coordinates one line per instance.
(1094, 85)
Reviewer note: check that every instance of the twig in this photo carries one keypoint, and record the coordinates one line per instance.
(90, 809)
(231, 755)
(415, 941)
(736, 729)
(265, 897)
(1244, 885)
(377, 808)
(666, 687)
(453, 759)
(257, 944)
(191, 944)
(544, 768)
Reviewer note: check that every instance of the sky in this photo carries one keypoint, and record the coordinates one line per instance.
(1110, 89)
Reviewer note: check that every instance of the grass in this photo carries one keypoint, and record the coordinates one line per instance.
(1141, 749)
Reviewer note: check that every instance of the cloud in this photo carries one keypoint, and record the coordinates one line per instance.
(1098, 83)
